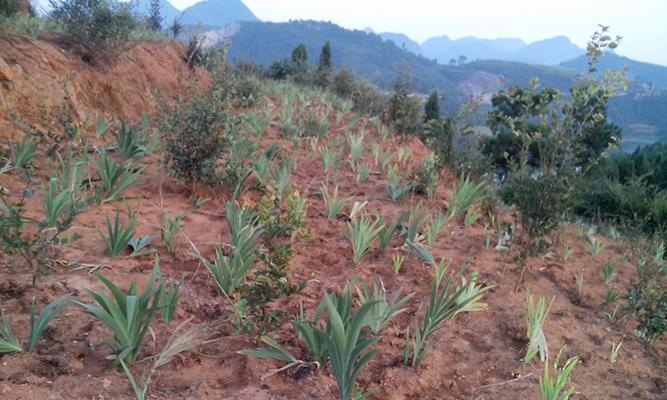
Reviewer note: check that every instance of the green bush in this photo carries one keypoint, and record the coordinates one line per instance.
(194, 140)
(366, 98)
(8, 8)
(98, 29)
(647, 299)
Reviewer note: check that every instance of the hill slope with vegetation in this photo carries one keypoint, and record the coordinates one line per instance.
(179, 227)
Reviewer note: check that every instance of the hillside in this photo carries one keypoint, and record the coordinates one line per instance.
(208, 13)
(403, 41)
(550, 51)
(651, 74)
(474, 355)
(380, 61)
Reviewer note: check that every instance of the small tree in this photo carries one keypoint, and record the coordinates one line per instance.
(432, 107)
(325, 66)
(404, 111)
(462, 59)
(98, 29)
(155, 17)
(300, 55)
(176, 27)
(8, 8)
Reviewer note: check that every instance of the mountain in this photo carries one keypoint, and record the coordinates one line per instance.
(167, 10)
(402, 41)
(546, 52)
(217, 13)
(380, 61)
(551, 51)
(209, 13)
(651, 74)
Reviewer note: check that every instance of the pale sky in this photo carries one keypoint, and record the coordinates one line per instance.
(642, 23)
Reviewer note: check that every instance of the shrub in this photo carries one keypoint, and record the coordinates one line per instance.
(98, 29)
(404, 110)
(647, 299)
(8, 8)
(193, 141)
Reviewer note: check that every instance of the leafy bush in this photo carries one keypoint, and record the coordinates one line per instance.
(193, 139)
(647, 299)
(8, 8)
(99, 30)
(404, 110)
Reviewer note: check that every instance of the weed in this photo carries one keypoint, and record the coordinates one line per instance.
(169, 299)
(567, 253)
(139, 246)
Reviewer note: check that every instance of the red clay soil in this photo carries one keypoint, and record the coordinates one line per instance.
(476, 356)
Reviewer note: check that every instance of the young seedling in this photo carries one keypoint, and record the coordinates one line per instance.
(608, 272)
(230, 272)
(118, 236)
(333, 204)
(397, 260)
(435, 229)
(567, 253)
(170, 228)
(595, 246)
(615, 349)
(554, 389)
(38, 325)
(384, 309)
(536, 314)
(128, 315)
(580, 282)
(444, 304)
(8, 342)
(362, 231)
(177, 344)
(466, 195)
(115, 179)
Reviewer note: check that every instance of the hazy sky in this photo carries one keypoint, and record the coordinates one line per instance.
(642, 23)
